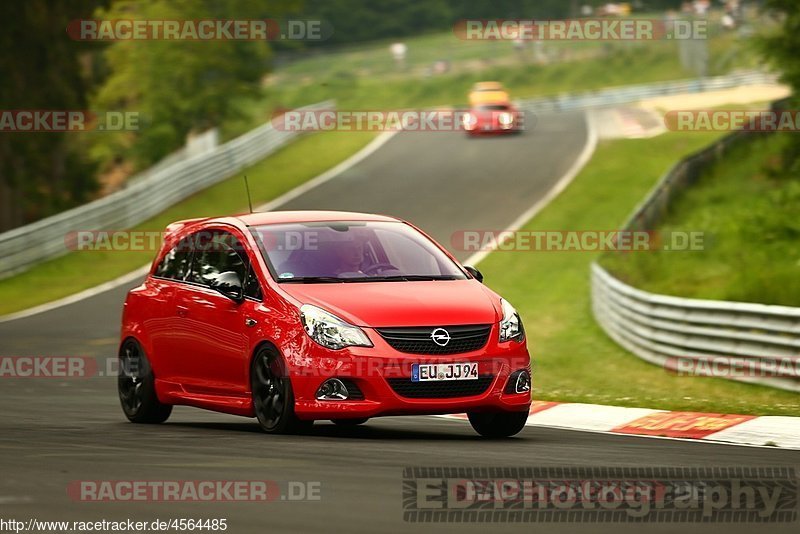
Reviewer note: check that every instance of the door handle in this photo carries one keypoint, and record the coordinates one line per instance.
(183, 311)
(250, 322)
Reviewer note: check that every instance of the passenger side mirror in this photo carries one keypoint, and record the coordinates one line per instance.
(230, 285)
(476, 274)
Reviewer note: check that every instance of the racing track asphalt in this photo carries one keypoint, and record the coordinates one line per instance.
(55, 431)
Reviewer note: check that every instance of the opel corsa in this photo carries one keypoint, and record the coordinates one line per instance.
(292, 317)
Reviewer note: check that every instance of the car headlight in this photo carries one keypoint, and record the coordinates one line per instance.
(330, 331)
(510, 324)
(506, 118)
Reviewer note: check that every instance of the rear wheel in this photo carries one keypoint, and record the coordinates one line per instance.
(350, 422)
(136, 385)
(498, 424)
(273, 400)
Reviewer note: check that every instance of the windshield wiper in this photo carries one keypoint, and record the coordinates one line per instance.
(312, 280)
(393, 278)
(327, 279)
(414, 277)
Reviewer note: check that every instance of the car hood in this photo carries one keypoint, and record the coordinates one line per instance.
(383, 304)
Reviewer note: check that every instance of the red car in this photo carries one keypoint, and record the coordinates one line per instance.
(291, 317)
(493, 118)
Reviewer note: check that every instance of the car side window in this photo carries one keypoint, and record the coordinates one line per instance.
(175, 263)
(219, 252)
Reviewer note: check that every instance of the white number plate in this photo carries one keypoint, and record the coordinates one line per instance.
(443, 371)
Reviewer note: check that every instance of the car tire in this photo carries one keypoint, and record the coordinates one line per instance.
(498, 424)
(273, 398)
(350, 422)
(136, 386)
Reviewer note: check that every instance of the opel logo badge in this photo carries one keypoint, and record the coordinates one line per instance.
(440, 336)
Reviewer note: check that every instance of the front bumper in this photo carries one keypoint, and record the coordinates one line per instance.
(374, 369)
(493, 129)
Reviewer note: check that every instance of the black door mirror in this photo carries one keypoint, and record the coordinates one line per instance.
(476, 274)
(230, 285)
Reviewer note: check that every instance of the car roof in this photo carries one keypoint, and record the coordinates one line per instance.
(276, 217)
(281, 217)
(489, 97)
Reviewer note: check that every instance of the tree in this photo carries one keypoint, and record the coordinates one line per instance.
(782, 49)
(179, 86)
(41, 173)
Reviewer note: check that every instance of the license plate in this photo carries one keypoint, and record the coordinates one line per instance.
(436, 372)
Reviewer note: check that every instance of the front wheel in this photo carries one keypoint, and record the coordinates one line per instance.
(498, 424)
(136, 385)
(273, 400)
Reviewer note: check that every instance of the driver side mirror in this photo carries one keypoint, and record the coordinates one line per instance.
(230, 285)
(476, 274)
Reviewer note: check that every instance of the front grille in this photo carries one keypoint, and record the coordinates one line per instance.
(417, 340)
(441, 389)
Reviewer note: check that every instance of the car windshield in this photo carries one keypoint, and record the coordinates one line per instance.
(340, 251)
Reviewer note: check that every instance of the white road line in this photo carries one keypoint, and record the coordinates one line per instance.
(557, 189)
(12, 499)
(326, 176)
(588, 416)
(766, 432)
(365, 152)
(85, 294)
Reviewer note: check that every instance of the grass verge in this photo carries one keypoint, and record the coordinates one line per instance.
(366, 78)
(574, 361)
(746, 207)
(291, 166)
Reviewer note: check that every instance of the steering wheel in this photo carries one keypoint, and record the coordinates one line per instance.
(379, 267)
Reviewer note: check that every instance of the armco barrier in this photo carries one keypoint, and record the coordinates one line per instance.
(741, 341)
(145, 195)
(156, 189)
(632, 93)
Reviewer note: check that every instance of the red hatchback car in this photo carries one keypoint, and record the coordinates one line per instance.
(291, 317)
(493, 118)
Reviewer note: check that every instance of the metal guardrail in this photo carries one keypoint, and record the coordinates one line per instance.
(163, 185)
(631, 93)
(146, 195)
(701, 336)
(698, 336)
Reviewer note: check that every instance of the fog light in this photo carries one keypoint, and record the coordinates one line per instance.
(523, 383)
(333, 389)
(518, 382)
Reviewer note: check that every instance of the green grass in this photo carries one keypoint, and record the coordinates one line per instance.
(748, 209)
(354, 79)
(366, 77)
(289, 167)
(573, 358)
